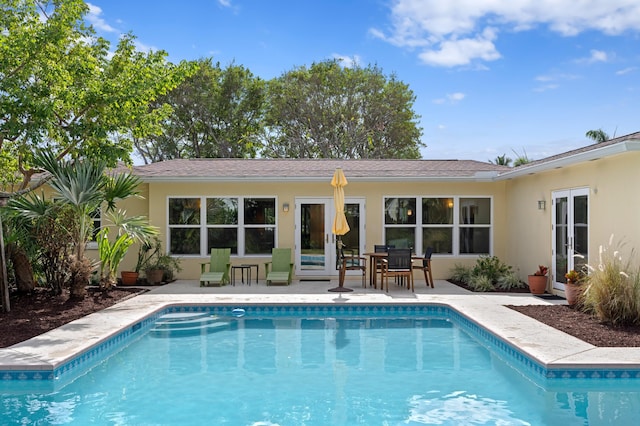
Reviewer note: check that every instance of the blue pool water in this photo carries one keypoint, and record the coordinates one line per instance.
(282, 368)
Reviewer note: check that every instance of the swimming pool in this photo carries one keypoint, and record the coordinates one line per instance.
(317, 365)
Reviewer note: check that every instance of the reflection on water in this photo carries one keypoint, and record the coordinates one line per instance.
(320, 371)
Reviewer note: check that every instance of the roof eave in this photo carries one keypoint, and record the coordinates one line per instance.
(478, 177)
(594, 154)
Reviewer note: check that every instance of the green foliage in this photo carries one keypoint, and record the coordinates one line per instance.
(330, 111)
(64, 88)
(489, 273)
(491, 267)
(461, 273)
(217, 113)
(598, 135)
(502, 160)
(612, 290)
(480, 282)
(509, 281)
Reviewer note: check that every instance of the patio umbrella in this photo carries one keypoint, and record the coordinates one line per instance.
(340, 225)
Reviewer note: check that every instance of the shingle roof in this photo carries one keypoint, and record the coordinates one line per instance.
(211, 169)
(233, 169)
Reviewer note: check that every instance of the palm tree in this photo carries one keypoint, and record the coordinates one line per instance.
(81, 189)
(501, 160)
(597, 135)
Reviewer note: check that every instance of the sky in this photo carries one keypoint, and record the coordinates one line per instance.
(490, 77)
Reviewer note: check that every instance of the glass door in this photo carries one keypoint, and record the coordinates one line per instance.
(570, 232)
(315, 245)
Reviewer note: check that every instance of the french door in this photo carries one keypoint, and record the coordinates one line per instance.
(315, 244)
(570, 232)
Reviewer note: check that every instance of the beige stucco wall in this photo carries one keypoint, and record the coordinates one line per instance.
(372, 193)
(614, 203)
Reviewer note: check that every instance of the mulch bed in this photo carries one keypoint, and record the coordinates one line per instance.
(34, 313)
(577, 323)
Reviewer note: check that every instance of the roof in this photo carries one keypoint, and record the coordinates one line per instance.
(626, 143)
(310, 170)
(234, 169)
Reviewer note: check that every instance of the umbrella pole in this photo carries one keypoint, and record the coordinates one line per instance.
(341, 274)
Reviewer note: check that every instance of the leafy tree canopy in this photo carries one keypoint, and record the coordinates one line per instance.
(217, 113)
(329, 111)
(61, 88)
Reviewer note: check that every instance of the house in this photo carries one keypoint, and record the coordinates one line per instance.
(540, 213)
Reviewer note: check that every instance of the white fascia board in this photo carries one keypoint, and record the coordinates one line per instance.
(594, 154)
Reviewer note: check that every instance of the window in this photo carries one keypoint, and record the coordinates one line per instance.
(451, 225)
(247, 225)
(437, 224)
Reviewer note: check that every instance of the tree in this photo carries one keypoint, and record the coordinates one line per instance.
(327, 111)
(217, 113)
(502, 160)
(61, 88)
(597, 135)
(81, 188)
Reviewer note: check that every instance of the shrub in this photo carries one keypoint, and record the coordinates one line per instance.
(491, 267)
(613, 290)
(509, 281)
(460, 273)
(481, 282)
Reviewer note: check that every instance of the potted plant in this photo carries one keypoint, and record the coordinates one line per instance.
(113, 251)
(160, 266)
(538, 281)
(573, 286)
(147, 250)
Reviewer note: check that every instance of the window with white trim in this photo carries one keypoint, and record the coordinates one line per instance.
(247, 225)
(451, 225)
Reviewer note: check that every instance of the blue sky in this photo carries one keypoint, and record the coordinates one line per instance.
(490, 77)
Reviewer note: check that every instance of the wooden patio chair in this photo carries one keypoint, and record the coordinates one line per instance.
(280, 268)
(397, 264)
(219, 267)
(426, 266)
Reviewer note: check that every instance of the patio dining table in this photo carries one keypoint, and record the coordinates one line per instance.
(374, 258)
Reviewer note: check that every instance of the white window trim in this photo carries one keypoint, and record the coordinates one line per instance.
(203, 226)
(456, 225)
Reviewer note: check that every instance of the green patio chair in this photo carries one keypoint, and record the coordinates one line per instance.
(219, 267)
(280, 269)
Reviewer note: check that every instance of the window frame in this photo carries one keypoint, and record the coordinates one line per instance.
(240, 225)
(456, 226)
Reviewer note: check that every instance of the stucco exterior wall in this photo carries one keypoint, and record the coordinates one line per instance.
(614, 206)
(372, 192)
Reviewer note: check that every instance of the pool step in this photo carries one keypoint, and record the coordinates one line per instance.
(187, 324)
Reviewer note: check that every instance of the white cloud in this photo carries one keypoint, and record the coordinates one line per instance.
(626, 71)
(225, 3)
(595, 56)
(96, 20)
(451, 98)
(462, 52)
(552, 82)
(454, 32)
(348, 61)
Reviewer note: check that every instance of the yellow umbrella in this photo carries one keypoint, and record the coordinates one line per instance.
(340, 225)
(339, 181)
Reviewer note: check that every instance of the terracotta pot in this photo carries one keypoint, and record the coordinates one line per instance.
(129, 277)
(537, 284)
(572, 292)
(154, 276)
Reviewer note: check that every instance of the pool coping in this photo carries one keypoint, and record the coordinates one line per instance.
(552, 349)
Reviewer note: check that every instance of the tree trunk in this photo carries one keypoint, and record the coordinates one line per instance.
(80, 277)
(21, 268)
